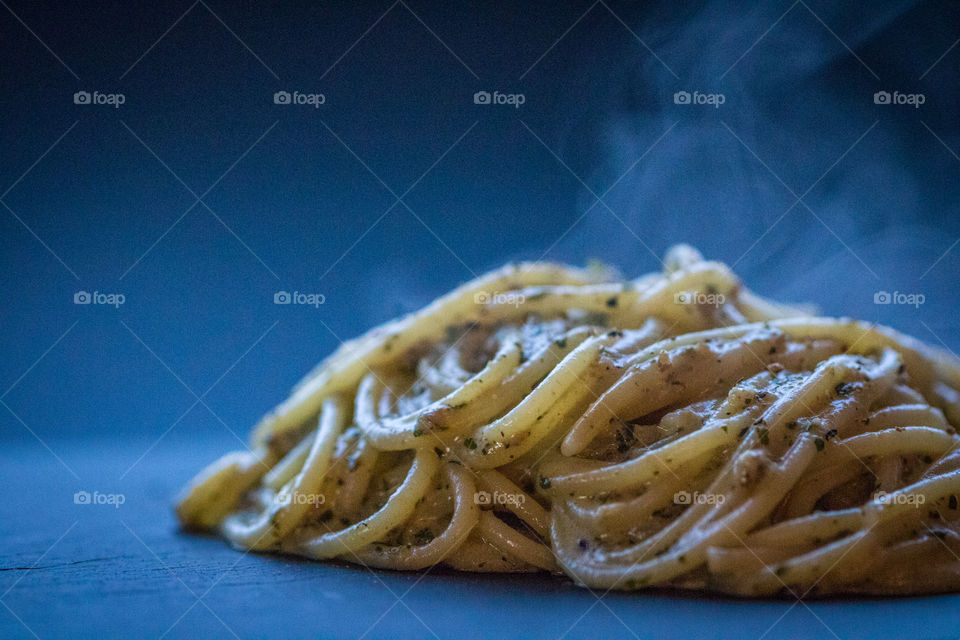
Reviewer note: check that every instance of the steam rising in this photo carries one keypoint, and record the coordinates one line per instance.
(798, 99)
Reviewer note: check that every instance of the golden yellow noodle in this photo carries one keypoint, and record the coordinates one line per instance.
(675, 430)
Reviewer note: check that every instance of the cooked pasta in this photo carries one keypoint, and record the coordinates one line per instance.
(670, 431)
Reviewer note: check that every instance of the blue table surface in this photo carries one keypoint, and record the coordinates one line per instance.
(102, 570)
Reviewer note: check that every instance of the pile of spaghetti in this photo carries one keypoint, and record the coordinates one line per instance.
(674, 430)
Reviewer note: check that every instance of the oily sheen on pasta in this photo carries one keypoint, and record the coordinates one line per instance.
(669, 431)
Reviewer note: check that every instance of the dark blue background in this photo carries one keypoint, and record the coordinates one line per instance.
(301, 199)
